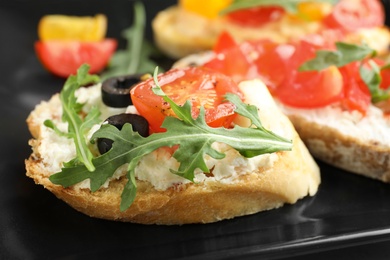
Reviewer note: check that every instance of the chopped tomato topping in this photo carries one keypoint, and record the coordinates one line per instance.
(201, 86)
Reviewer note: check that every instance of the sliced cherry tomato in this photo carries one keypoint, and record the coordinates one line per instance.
(225, 41)
(256, 16)
(311, 89)
(234, 62)
(273, 62)
(276, 62)
(63, 58)
(233, 59)
(201, 86)
(385, 75)
(356, 93)
(350, 15)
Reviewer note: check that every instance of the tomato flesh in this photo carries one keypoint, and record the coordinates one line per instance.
(311, 89)
(356, 93)
(350, 15)
(256, 16)
(277, 65)
(201, 86)
(234, 62)
(63, 58)
(273, 62)
(224, 41)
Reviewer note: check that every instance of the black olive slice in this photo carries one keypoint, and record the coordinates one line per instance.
(116, 90)
(138, 122)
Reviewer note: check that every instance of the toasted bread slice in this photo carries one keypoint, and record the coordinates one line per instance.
(289, 176)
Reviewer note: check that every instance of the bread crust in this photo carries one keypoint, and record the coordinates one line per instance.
(293, 176)
(370, 159)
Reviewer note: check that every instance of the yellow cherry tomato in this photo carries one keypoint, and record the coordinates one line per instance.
(313, 11)
(207, 8)
(80, 28)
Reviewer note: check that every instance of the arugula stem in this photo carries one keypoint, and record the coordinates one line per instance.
(135, 45)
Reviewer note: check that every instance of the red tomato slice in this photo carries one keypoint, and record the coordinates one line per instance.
(256, 16)
(273, 62)
(203, 87)
(385, 75)
(235, 62)
(225, 41)
(63, 58)
(350, 15)
(356, 93)
(311, 89)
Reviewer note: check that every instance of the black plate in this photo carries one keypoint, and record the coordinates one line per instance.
(349, 211)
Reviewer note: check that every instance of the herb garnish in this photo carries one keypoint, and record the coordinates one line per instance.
(346, 53)
(290, 6)
(77, 126)
(136, 57)
(193, 137)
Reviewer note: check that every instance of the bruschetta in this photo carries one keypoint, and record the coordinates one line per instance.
(193, 26)
(212, 150)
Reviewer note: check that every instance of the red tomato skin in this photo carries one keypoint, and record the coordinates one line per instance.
(63, 58)
(199, 85)
(356, 96)
(350, 15)
(273, 62)
(224, 41)
(235, 62)
(311, 89)
(256, 16)
(385, 75)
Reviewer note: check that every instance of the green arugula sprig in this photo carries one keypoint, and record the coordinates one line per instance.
(290, 6)
(135, 58)
(346, 53)
(193, 137)
(77, 126)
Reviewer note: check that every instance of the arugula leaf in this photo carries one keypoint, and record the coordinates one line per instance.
(373, 80)
(77, 126)
(135, 58)
(193, 137)
(290, 6)
(345, 53)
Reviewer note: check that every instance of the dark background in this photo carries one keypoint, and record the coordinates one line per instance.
(348, 218)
